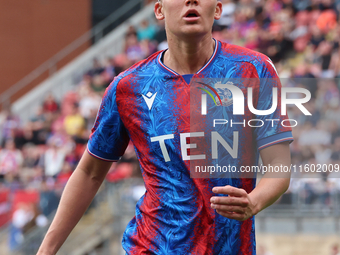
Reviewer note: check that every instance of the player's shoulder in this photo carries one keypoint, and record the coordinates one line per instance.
(144, 66)
(141, 66)
(241, 54)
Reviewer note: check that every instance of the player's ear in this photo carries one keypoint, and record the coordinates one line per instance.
(159, 11)
(218, 10)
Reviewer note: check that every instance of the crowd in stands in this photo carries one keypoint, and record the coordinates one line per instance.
(301, 37)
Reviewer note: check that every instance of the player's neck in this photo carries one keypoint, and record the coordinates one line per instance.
(188, 57)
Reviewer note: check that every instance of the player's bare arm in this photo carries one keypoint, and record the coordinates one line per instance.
(77, 196)
(240, 205)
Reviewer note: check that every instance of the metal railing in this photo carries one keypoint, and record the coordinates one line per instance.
(51, 65)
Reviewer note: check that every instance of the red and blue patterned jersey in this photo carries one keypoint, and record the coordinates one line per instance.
(149, 105)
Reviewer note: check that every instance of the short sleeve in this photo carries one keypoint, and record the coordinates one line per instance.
(109, 138)
(275, 127)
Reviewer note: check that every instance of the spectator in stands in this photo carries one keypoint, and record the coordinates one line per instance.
(21, 216)
(37, 219)
(126, 167)
(336, 151)
(10, 159)
(74, 123)
(131, 31)
(58, 133)
(50, 105)
(49, 200)
(90, 120)
(31, 155)
(99, 82)
(148, 47)
(54, 158)
(64, 175)
(96, 69)
(36, 177)
(327, 20)
(24, 135)
(133, 49)
(316, 37)
(121, 62)
(25, 218)
(10, 126)
(280, 46)
(146, 31)
(39, 127)
(89, 104)
(110, 70)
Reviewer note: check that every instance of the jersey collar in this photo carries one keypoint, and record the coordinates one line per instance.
(169, 70)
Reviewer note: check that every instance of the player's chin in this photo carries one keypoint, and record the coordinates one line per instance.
(194, 31)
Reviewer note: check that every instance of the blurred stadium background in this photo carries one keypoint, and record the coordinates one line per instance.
(58, 58)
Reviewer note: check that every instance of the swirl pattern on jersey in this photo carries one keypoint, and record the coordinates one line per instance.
(174, 215)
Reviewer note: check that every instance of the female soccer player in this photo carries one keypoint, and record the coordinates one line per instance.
(149, 105)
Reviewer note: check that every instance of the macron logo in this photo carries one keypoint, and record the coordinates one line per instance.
(149, 99)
